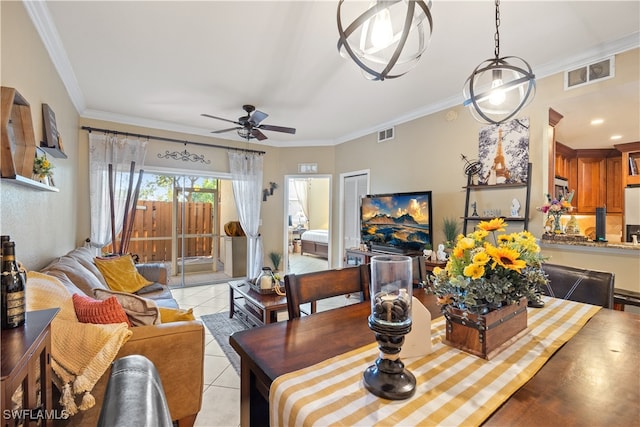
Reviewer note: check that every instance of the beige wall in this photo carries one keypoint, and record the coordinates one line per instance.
(425, 154)
(43, 224)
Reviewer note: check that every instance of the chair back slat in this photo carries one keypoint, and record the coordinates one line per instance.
(311, 287)
(419, 271)
(581, 285)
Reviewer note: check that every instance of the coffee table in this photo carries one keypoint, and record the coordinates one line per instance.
(253, 308)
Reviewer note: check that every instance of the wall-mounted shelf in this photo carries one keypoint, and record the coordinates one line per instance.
(53, 151)
(489, 218)
(26, 182)
(17, 139)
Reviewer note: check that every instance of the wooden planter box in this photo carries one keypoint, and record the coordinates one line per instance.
(485, 335)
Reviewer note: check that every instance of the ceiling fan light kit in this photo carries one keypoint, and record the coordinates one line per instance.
(387, 39)
(499, 88)
(250, 126)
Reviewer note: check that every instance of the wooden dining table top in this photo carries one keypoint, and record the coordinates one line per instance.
(594, 379)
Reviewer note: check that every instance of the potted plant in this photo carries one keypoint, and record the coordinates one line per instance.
(486, 275)
(451, 229)
(276, 258)
(42, 169)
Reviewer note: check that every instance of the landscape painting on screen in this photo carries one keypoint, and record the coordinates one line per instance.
(398, 222)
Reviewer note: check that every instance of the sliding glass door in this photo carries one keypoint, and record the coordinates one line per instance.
(177, 223)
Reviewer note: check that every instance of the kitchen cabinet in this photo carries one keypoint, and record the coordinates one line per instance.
(615, 201)
(592, 172)
(599, 181)
(566, 164)
(630, 163)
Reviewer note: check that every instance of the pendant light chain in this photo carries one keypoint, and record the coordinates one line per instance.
(499, 88)
(497, 35)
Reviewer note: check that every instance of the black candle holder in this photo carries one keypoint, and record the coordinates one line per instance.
(388, 378)
(390, 321)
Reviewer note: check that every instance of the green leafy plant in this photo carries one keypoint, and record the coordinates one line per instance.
(276, 258)
(451, 229)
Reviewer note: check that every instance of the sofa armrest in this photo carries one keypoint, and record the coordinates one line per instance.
(155, 272)
(177, 351)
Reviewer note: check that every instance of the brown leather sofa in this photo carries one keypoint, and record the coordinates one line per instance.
(176, 349)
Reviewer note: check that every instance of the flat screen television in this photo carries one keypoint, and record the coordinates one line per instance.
(397, 222)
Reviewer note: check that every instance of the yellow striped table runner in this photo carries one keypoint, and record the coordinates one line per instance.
(453, 387)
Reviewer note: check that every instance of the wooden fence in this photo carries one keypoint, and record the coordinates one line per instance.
(152, 230)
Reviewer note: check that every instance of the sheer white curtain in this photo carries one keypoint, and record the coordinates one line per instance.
(246, 175)
(119, 151)
(301, 187)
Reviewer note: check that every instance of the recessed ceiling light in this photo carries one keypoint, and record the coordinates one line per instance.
(616, 137)
(596, 122)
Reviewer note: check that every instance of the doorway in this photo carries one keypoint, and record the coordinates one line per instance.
(307, 223)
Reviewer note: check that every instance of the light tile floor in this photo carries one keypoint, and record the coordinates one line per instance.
(221, 395)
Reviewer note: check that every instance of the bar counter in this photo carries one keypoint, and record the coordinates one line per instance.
(623, 259)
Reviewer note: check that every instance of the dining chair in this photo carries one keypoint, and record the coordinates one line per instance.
(578, 284)
(318, 285)
(420, 279)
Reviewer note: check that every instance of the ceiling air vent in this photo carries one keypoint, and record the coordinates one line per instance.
(590, 73)
(385, 135)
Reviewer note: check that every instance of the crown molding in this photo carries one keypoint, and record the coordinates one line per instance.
(42, 21)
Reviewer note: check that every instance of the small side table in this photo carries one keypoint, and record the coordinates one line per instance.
(254, 308)
(26, 371)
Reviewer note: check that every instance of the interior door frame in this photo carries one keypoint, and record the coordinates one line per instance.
(285, 216)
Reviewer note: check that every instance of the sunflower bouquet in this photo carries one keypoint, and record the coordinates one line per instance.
(482, 275)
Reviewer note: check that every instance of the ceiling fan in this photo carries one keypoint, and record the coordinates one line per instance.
(250, 126)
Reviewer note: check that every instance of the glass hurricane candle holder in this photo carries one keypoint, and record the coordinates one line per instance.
(390, 320)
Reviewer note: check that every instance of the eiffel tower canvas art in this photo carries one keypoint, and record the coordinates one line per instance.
(503, 152)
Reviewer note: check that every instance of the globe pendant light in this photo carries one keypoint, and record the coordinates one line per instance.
(387, 39)
(499, 87)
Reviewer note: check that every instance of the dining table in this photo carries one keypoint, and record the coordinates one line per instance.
(593, 379)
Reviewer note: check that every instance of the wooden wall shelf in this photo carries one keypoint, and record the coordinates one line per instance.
(17, 140)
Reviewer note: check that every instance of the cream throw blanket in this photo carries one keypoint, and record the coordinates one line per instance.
(80, 352)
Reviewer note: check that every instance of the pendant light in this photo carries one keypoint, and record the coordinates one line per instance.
(499, 87)
(387, 39)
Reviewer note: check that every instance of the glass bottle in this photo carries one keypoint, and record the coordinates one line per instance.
(13, 289)
(3, 239)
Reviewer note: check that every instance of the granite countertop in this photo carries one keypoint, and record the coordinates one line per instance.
(583, 241)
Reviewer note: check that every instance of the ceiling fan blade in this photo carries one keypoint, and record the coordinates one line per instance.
(257, 117)
(219, 118)
(258, 135)
(225, 130)
(278, 129)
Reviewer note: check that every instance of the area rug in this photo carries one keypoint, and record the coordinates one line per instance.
(221, 327)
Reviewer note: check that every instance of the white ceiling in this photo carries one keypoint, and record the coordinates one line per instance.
(162, 63)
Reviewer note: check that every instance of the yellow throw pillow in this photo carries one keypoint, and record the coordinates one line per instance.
(168, 315)
(120, 273)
